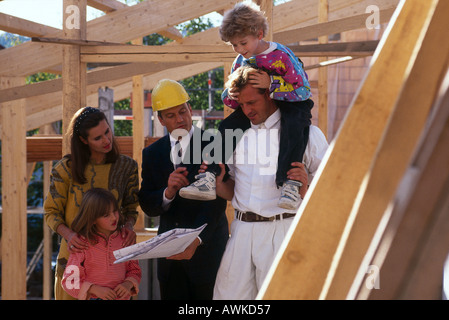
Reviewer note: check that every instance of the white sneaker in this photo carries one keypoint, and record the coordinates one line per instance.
(290, 198)
(201, 189)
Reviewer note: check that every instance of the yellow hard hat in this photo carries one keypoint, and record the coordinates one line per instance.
(167, 94)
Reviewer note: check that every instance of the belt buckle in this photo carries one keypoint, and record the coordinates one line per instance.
(239, 215)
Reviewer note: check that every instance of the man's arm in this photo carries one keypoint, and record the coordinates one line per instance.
(151, 191)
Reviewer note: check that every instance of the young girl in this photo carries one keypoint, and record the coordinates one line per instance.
(92, 274)
(94, 162)
(280, 72)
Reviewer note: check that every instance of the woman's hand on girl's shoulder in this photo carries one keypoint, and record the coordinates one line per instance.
(128, 235)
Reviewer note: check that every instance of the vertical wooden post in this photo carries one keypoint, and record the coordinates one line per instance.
(14, 195)
(323, 11)
(73, 71)
(267, 7)
(138, 126)
(47, 257)
(47, 281)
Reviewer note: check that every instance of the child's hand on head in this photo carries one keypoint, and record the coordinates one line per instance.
(233, 94)
(261, 79)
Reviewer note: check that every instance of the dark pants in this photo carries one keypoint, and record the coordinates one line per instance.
(179, 286)
(295, 123)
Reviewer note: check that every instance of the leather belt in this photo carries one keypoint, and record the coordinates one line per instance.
(254, 217)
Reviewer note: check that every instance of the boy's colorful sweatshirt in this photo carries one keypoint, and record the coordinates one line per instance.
(289, 81)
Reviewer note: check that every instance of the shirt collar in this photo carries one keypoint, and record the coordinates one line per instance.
(271, 121)
(272, 46)
(173, 139)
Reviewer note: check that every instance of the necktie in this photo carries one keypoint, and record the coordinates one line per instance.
(178, 159)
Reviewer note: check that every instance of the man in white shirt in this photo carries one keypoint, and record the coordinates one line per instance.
(260, 225)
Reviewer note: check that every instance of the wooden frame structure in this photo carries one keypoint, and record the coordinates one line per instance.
(358, 181)
(337, 230)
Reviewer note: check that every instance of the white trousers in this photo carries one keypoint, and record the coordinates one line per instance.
(249, 253)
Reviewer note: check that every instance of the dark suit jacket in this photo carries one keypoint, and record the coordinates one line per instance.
(183, 213)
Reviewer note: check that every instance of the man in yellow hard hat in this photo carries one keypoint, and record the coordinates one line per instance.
(165, 170)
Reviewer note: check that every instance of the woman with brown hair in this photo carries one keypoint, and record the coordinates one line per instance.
(94, 162)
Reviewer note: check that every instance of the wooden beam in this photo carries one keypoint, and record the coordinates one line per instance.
(209, 53)
(106, 5)
(418, 222)
(94, 77)
(73, 70)
(47, 108)
(317, 228)
(109, 6)
(47, 275)
(14, 196)
(137, 103)
(394, 154)
(103, 76)
(212, 53)
(21, 59)
(331, 27)
(79, 42)
(337, 49)
(49, 148)
(330, 62)
(172, 33)
(24, 27)
(119, 26)
(285, 16)
(266, 6)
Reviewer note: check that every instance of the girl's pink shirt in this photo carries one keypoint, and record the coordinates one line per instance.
(96, 266)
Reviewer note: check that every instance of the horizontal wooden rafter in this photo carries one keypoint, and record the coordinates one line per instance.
(106, 5)
(221, 53)
(47, 108)
(93, 77)
(24, 27)
(138, 21)
(47, 148)
(190, 53)
(119, 26)
(329, 28)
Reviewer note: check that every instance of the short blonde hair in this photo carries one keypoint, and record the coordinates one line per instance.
(243, 20)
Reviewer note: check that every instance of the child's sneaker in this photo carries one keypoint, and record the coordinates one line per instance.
(290, 198)
(201, 189)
